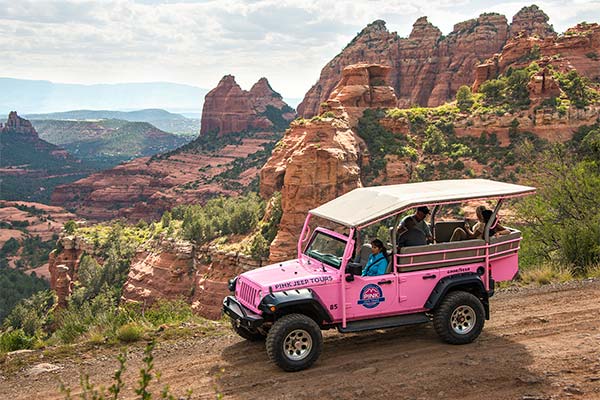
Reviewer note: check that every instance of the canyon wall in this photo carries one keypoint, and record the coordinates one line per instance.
(427, 68)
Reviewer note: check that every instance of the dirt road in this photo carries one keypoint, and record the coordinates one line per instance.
(541, 343)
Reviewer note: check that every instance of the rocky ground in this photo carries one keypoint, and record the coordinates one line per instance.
(541, 343)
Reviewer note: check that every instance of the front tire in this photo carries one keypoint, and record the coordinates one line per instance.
(251, 335)
(460, 318)
(294, 342)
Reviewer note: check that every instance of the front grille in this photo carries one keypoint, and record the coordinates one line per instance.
(247, 294)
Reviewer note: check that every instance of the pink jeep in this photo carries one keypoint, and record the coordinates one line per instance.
(447, 283)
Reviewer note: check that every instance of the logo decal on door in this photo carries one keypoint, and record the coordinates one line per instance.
(370, 296)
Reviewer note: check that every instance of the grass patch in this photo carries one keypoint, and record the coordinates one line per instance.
(131, 332)
(594, 271)
(545, 274)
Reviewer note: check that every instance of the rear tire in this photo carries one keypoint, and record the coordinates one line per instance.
(251, 335)
(294, 342)
(460, 318)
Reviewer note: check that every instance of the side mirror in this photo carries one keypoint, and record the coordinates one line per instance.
(354, 269)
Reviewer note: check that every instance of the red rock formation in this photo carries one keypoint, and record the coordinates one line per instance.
(228, 108)
(374, 44)
(575, 49)
(63, 266)
(321, 159)
(362, 86)
(531, 21)
(18, 125)
(427, 68)
(314, 163)
(179, 271)
(145, 187)
(542, 85)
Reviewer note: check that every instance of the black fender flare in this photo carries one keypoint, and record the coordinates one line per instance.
(303, 301)
(470, 281)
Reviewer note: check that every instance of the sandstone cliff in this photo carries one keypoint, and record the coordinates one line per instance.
(321, 159)
(427, 68)
(228, 108)
(578, 48)
(326, 156)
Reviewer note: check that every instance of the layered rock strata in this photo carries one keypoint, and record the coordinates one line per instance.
(178, 270)
(427, 68)
(321, 159)
(228, 108)
(578, 48)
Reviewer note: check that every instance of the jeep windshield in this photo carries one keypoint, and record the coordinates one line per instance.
(326, 248)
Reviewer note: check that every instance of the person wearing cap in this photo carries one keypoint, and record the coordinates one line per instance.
(420, 223)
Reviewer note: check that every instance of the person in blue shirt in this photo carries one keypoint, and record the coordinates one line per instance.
(377, 263)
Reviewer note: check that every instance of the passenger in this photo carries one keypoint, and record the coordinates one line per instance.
(495, 228)
(420, 223)
(377, 263)
(412, 236)
(467, 233)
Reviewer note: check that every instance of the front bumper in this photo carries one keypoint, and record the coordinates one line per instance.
(240, 315)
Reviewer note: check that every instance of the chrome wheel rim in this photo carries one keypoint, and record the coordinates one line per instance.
(463, 320)
(297, 345)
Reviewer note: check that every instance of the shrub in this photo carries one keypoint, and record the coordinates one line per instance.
(222, 216)
(562, 219)
(69, 227)
(259, 247)
(577, 88)
(131, 332)
(33, 315)
(166, 219)
(492, 91)
(435, 142)
(464, 98)
(15, 339)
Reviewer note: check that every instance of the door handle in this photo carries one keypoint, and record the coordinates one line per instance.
(429, 277)
(384, 282)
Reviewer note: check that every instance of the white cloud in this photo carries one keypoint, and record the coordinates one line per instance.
(196, 42)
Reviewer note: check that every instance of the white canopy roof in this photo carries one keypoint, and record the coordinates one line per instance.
(364, 205)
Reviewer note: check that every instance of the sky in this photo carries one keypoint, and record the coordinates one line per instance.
(197, 42)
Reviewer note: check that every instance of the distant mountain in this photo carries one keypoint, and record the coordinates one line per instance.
(29, 96)
(30, 167)
(162, 119)
(147, 115)
(110, 141)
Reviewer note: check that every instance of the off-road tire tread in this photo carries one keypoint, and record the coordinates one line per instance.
(279, 331)
(441, 317)
(246, 334)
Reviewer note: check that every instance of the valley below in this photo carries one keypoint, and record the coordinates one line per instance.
(536, 346)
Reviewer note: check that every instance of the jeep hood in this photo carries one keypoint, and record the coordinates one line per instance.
(290, 275)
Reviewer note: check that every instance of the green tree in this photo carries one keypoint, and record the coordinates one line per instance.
(435, 142)
(562, 219)
(464, 98)
(69, 227)
(577, 88)
(493, 91)
(517, 88)
(166, 219)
